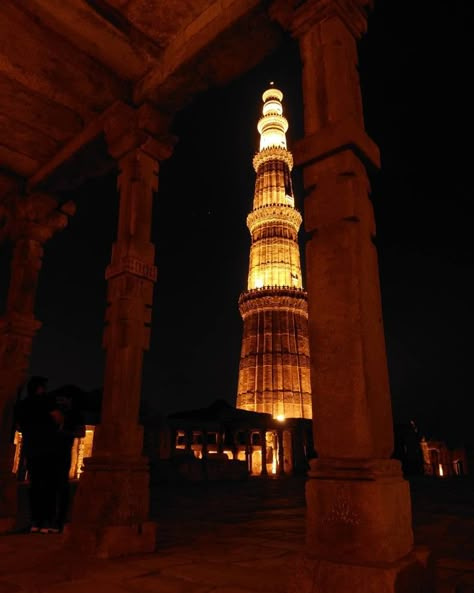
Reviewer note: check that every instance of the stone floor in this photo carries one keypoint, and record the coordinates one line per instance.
(233, 538)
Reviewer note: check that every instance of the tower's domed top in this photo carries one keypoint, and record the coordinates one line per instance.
(272, 93)
(272, 126)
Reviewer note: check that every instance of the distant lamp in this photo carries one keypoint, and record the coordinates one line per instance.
(280, 417)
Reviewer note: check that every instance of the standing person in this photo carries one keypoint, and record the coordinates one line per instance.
(71, 426)
(39, 428)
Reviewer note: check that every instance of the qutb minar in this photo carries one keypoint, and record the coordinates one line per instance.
(274, 373)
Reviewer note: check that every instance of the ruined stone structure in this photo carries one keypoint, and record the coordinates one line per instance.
(86, 86)
(274, 363)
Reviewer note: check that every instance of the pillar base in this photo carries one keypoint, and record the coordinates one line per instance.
(412, 574)
(358, 511)
(7, 525)
(8, 501)
(112, 541)
(110, 516)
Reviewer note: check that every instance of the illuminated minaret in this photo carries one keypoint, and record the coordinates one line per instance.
(274, 374)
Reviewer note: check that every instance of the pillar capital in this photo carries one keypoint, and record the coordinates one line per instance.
(145, 129)
(342, 135)
(34, 217)
(300, 20)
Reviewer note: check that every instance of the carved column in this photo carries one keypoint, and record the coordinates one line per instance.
(281, 453)
(359, 534)
(263, 440)
(248, 450)
(204, 447)
(111, 510)
(29, 222)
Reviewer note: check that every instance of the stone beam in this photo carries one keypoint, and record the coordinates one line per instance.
(16, 162)
(91, 131)
(84, 23)
(17, 102)
(71, 78)
(24, 139)
(179, 60)
(116, 117)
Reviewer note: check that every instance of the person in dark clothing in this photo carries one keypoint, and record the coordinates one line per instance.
(39, 428)
(71, 426)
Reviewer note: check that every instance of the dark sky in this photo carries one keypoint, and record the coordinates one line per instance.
(415, 71)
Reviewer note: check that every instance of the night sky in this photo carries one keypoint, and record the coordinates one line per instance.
(415, 71)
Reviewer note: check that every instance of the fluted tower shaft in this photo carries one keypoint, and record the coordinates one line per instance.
(274, 363)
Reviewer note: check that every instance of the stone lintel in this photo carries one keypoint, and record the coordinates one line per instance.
(335, 138)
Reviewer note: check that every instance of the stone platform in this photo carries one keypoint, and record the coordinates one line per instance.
(233, 538)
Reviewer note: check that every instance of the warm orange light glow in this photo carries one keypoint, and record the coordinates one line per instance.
(273, 125)
(441, 471)
(274, 465)
(274, 223)
(17, 441)
(280, 417)
(81, 448)
(274, 364)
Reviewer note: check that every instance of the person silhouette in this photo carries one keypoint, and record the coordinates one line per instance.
(39, 427)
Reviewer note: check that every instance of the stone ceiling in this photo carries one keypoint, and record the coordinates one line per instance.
(63, 63)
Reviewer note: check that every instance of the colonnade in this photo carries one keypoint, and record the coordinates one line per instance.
(237, 447)
(359, 534)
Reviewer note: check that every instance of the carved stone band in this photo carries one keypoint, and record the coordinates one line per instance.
(132, 265)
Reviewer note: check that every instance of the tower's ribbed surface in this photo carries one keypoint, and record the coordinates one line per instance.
(274, 363)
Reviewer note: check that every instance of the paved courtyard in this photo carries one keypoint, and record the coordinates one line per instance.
(233, 538)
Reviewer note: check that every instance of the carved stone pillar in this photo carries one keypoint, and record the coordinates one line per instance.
(359, 534)
(29, 222)
(111, 509)
(281, 453)
(263, 440)
(248, 450)
(204, 447)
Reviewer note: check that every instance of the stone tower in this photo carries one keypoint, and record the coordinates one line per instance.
(274, 374)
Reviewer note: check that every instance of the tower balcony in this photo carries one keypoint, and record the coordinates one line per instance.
(286, 298)
(272, 153)
(274, 214)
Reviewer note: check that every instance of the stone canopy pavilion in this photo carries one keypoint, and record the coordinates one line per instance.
(89, 86)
